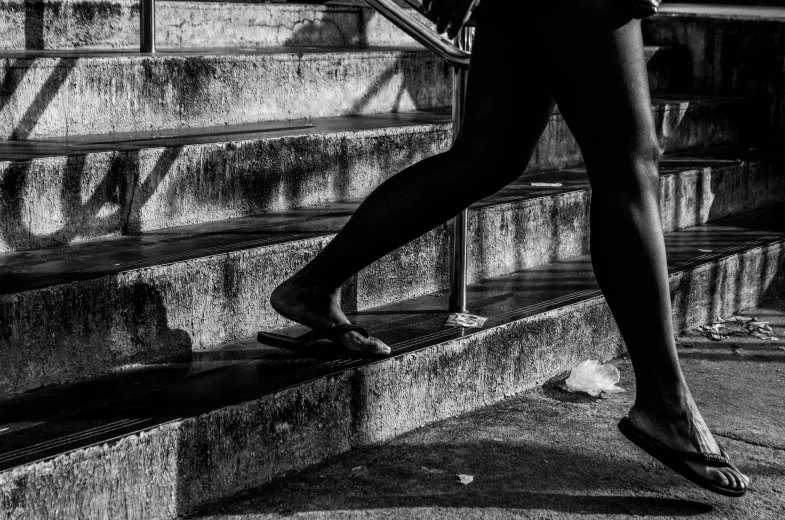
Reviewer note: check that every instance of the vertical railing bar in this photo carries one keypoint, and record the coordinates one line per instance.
(147, 26)
(458, 235)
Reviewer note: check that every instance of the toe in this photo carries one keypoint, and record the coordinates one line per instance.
(378, 347)
(733, 483)
(741, 479)
(356, 342)
(721, 477)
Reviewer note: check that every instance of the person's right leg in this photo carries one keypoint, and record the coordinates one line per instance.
(601, 87)
(503, 121)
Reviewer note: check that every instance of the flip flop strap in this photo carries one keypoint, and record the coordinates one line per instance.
(332, 333)
(711, 459)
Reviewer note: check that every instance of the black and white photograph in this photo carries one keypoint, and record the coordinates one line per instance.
(392, 259)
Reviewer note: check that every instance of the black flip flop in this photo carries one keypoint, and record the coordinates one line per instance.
(314, 341)
(676, 460)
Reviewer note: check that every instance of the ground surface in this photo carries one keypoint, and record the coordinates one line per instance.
(556, 455)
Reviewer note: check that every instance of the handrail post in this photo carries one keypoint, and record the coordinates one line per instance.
(147, 26)
(458, 235)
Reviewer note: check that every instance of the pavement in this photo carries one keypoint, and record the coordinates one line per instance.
(550, 454)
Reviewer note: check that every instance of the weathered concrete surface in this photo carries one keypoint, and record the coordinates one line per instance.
(556, 455)
(72, 331)
(189, 463)
(98, 193)
(732, 51)
(69, 94)
(57, 200)
(68, 24)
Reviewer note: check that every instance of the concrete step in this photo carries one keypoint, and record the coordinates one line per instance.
(163, 440)
(70, 93)
(70, 24)
(69, 313)
(59, 191)
(82, 93)
(732, 49)
(584, 467)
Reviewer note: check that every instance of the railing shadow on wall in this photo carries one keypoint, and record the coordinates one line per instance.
(113, 207)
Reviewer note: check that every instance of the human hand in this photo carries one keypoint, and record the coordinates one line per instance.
(449, 14)
(644, 8)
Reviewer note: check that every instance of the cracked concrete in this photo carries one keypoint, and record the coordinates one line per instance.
(555, 455)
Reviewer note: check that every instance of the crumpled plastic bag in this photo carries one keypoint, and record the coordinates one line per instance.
(593, 378)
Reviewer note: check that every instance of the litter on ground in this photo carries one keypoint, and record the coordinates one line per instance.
(465, 479)
(593, 378)
(720, 329)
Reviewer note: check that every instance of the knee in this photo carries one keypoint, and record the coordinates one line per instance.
(631, 172)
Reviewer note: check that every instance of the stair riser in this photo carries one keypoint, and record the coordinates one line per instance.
(729, 55)
(102, 24)
(70, 96)
(178, 467)
(59, 200)
(508, 238)
(72, 331)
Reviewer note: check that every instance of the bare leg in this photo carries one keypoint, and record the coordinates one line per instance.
(503, 122)
(602, 90)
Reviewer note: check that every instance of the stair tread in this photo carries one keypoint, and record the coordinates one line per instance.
(28, 270)
(48, 422)
(774, 13)
(186, 52)
(30, 149)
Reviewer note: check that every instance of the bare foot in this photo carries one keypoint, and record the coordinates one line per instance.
(319, 310)
(682, 428)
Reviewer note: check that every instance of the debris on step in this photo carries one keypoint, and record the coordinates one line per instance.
(465, 479)
(737, 350)
(593, 378)
(469, 321)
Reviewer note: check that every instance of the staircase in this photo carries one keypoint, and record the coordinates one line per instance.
(149, 204)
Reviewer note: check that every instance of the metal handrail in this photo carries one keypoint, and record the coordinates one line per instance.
(456, 54)
(147, 26)
(420, 32)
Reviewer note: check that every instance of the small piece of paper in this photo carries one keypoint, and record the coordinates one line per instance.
(469, 321)
(465, 479)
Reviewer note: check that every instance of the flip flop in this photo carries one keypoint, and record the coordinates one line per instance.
(676, 460)
(314, 340)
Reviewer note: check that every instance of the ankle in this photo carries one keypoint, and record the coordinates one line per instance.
(302, 283)
(672, 402)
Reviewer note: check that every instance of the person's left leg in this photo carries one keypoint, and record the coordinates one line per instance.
(503, 121)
